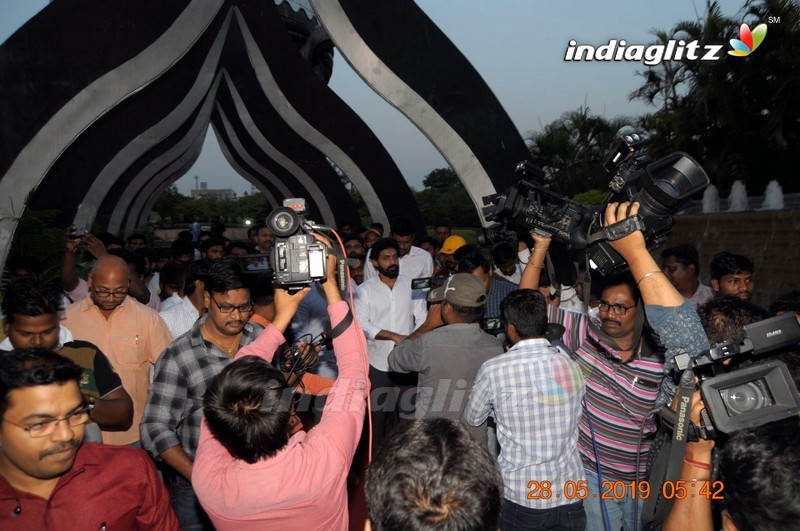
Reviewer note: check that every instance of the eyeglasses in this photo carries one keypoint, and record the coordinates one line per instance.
(47, 427)
(115, 294)
(616, 309)
(229, 308)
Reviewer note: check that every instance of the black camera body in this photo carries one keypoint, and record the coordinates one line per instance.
(750, 396)
(664, 186)
(298, 259)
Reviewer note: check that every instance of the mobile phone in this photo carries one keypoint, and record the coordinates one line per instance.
(421, 283)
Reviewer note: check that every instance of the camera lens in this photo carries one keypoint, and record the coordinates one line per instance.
(283, 221)
(744, 398)
(669, 183)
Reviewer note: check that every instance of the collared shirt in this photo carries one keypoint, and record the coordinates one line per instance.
(514, 278)
(181, 318)
(619, 395)
(132, 338)
(399, 309)
(702, 295)
(107, 487)
(302, 486)
(447, 360)
(167, 304)
(416, 264)
(498, 289)
(175, 402)
(534, 393)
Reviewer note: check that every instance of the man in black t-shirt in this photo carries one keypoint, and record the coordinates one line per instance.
(32, 312)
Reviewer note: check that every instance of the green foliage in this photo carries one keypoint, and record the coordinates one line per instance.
(590, 197)
(173, 207)
(445, 198)
(572, 149)
(740, 116)
(35, 237)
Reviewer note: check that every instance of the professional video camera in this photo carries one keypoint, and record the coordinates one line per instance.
(750, 396)
(298, 258)
(665, 185)
(742, 398)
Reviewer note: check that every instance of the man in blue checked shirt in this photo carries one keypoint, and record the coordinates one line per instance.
(534, 393)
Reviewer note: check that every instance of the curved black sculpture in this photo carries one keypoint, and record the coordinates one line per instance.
(104, 105)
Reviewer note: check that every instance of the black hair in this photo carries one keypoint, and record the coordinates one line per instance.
(723, 318)
(31, 297)
(205, 245)
(429, 240)
(33, 367)
(136, 260)
(148, 253)
(621, 278)
(402, 227)
(788, 302)
(353, 236)
(467, 314)
(26, 263)
(137, 236)
(204, 233)
(758, 467)
(109, 239)
(225, 275)
(726, 263)
(185, 235)
(378, 226)
(503, 253)
(196, 270)
(469, 258)
(431, 474)
(238, 245)
(181, 247)
(262, 289)
(381, 245)
(686, 254)
(248, 407)
(173, 275)
(441, 223)
(526, 309)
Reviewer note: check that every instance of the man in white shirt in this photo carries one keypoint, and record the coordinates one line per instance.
(181, 317)
(413, 261)
(388, 310)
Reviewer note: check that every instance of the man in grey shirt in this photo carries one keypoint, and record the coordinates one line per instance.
(448, 357)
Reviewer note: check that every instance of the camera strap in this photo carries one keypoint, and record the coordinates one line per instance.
(618, 230)
(344, 324)
(656, 508)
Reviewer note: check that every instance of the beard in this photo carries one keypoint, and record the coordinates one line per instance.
(390, 272)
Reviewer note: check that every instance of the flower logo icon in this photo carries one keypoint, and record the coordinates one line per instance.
(748, 41)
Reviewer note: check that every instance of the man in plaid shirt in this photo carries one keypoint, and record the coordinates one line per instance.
(170, 426)
(534, 393)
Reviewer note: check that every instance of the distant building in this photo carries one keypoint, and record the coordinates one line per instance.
(213, 193)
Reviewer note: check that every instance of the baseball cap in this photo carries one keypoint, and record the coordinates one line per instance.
(452, 244)
(461, 289)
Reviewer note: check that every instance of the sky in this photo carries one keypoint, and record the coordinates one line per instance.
(517, 46)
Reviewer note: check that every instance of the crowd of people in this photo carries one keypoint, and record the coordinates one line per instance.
(179, 388)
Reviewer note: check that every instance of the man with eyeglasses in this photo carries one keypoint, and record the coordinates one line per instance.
(49, 477)
(130, 334)
(628, 372)
(32, 309)
(171, 423)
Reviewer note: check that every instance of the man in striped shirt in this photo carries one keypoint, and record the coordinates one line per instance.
(627, 369)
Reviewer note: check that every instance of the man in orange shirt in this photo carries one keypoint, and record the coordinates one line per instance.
(129, 333)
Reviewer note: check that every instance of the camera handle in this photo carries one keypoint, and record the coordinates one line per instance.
(617, 230)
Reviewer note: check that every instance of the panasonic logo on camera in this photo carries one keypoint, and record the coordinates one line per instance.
(649, 54)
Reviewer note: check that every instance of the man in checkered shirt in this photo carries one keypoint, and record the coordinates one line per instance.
(534, 393)
(170, 426)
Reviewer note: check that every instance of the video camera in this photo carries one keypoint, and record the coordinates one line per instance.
(665, 185)
(750, 396)
(298, 258)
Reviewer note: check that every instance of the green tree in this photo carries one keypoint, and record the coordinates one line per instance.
(445, 198)
(740, 116)
(571, 150)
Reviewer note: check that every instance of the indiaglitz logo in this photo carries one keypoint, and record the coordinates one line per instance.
(651, 55)
(748, 40)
